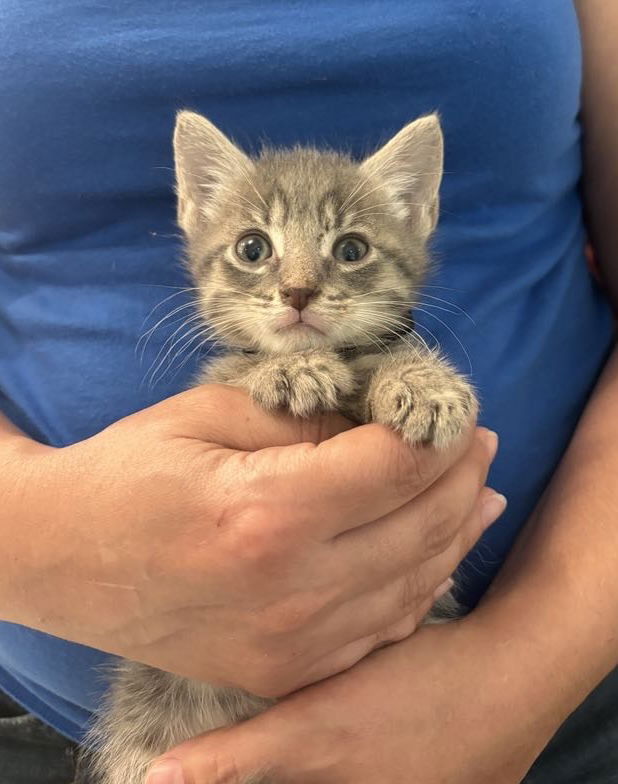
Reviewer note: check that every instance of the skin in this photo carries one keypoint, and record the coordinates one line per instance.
(284, 530)
(498, 684)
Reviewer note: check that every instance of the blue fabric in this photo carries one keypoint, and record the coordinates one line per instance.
(88, 243)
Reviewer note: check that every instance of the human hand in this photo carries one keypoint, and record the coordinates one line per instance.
(208, 538)
(446, 705)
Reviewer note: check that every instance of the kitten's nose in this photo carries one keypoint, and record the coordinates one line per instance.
(297, 298)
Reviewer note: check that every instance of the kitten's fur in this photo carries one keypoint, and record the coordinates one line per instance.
(362, 357)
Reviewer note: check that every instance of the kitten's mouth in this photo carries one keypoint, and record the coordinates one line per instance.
(300, 322)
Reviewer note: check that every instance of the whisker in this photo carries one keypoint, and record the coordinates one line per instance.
(400, 336)
(182, 290)
(250, 183)
(423, 341)
(448, 288)
(170, 325)
(463, 348)
(364, 194)
(365, 180)
(198, 347)
(160, 363)
(180, 308)
(442, 308)
(458, 312)
(393, 203)
(381, 345)
(202, 340)
(452, 304)
(372, 293)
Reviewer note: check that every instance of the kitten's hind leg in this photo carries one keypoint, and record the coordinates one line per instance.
(148, 712)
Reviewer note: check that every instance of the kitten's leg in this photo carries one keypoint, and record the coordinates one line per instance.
(418, 395)
(148, 712)
(304, 383)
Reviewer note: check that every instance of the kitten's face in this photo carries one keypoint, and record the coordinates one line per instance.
(300, 249)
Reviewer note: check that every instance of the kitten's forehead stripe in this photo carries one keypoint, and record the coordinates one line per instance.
(329, 210)
(278, 212)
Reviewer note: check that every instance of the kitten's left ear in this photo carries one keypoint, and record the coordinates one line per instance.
(410, 167)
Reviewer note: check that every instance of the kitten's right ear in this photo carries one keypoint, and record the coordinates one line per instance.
(206, 160)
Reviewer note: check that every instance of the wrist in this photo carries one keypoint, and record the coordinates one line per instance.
(29, 486)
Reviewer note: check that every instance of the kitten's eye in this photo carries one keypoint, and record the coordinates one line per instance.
(350, 249)
(253, 249)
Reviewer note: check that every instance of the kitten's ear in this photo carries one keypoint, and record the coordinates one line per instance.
(205, 161)
(410, 167)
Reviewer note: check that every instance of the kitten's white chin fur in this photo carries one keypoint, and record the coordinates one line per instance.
(292, 332)
(294, 337)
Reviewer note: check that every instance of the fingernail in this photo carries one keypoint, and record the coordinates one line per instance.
(492, 508)
(490, 439)
(166, 772)
(444, 588)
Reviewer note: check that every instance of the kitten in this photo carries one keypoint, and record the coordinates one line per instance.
(306, 264)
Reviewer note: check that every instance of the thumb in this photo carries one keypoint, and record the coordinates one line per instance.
(242, 754)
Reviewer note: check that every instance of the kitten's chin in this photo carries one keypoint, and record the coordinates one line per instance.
(296, 337)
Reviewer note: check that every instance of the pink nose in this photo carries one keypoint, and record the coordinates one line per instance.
(297, 298)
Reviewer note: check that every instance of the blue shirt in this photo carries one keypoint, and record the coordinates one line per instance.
(88, 243)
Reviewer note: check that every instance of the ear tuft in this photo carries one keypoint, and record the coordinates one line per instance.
(205, 161)
(410, 167)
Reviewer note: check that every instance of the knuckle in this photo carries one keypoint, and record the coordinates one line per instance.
(288, 617)
(412, 473)
(397, 632)
(440, 532)
(471, 533)
(405, 628)
(482, 458)
(251, 537)
(267, 679)
(258, 677)
(423, 610)
(410, 590)
(224, 770)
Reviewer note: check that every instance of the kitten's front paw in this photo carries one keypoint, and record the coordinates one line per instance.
(305, 383)
(426, 405)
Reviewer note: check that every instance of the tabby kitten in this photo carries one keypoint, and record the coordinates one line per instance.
(306, 265)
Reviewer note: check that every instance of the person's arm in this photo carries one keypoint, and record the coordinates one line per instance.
(561, 581)
(599, 25)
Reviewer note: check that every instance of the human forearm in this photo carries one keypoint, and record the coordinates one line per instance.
(554, 608)
(599, 27)
(21, 475)
(556, 599)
